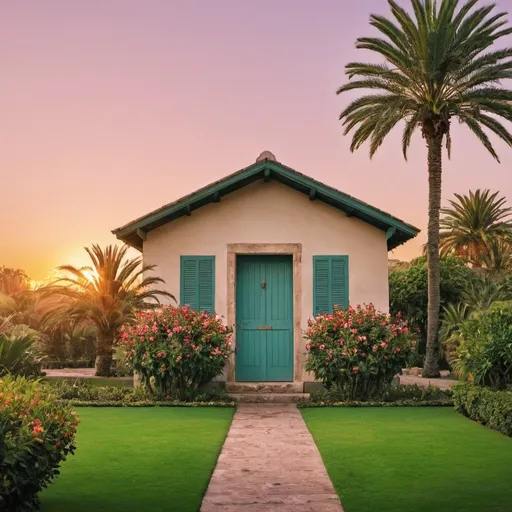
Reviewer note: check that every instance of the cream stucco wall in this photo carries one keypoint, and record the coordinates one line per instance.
(272, 213)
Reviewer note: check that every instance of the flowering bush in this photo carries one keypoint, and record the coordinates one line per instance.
(176, 350)
(359, 351)
(36, 435)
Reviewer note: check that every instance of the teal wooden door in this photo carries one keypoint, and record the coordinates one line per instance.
(264, 324)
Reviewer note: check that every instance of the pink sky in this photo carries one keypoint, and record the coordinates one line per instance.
(110, 109)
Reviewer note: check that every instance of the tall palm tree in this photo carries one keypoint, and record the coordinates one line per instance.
(473, 224)
(106, 294)
(439, 65)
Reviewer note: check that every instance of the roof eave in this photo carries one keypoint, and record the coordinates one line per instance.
(397, 231)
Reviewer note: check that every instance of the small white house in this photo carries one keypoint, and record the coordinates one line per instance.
(268, 248)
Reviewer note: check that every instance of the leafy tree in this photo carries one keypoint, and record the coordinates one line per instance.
(106, 294)
(408, 290)
(474, 225)
(440, 65)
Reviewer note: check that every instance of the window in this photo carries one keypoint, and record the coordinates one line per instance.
(330, 283)
(198, 282)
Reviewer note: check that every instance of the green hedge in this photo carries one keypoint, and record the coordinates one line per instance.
(147, 403)
(447, 402)
(83, 394)
(490, 408)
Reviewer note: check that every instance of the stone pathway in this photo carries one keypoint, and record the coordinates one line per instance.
(269, 462)
(70, 372)
(420, 381)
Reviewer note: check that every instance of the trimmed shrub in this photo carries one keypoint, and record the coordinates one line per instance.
(400, 394)
(82, 393)
(176, 350)
(86, 392)
(485, 349)
(489, 407)
(36, 435)
(358, 351)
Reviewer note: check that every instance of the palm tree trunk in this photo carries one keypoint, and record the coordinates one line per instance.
(103, 363)
(435, 145)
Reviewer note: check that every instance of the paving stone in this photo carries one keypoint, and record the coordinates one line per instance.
(269, 462)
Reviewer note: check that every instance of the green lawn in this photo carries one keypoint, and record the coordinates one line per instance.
(140, 459)
(413, 459)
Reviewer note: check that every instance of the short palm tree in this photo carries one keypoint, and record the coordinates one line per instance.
(106, 294)
(473, 224)
(439, 65)
(498, 259)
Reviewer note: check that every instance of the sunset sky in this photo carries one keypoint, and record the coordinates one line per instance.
(111, 108)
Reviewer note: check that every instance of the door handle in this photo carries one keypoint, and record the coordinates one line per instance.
(265, 328)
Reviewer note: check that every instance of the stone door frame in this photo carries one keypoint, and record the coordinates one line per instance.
(295, 250)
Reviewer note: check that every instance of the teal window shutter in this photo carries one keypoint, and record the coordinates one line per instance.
(330, 283)
(198, 282)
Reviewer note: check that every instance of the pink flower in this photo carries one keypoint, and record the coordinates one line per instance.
(178, 359)
(321, 347)
(308, 347)
(342, 342)
(375, 348)
(397, 350)
(151, 338)
(355, 351)
(363, 355)
(384, 344)
(355, 369)
(354, 331)
(384, 324)
(160, 354)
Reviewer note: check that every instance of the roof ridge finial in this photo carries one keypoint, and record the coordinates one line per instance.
(266, 155)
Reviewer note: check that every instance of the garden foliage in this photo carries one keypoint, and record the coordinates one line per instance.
(176, 350)
(485, 347)
(36, 435)
(489, 407)
(358, 351)
(408, 289)
(18, 355)
(81, 393)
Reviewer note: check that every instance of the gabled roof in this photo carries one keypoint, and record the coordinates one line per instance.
(397, 231)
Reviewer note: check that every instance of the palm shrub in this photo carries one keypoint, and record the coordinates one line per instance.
(18, 353)
(106, 295)
(36, 435)
(475, 225)
(485, 347)
(176, 350)
(439, 64)
(358, 351)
